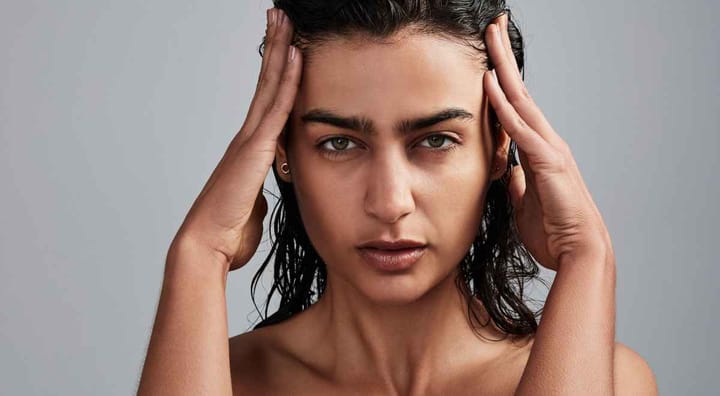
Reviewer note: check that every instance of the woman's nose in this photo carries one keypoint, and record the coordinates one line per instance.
(389, 194)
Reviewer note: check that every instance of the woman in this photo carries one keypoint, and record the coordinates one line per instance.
(389, 126)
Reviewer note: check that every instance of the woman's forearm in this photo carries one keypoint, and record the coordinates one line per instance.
(574, 344)
(188, 351)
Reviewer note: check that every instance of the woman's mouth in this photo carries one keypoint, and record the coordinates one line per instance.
(388, 260)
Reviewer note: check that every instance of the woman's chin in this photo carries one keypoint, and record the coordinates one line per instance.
(395, 290)
(389, 288)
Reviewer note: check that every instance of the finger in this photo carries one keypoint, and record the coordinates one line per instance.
(261, 145)
(529, 175)
(503, 21)
(514, 88)
(272, 16)
(251, 119)
(525, 137)
(269, 84)
(279, 111)
(517, 186)
(269, 31)
(522, 187)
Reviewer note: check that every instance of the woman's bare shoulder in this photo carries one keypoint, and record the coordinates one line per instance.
(261, 363)
(254, 356)
(633, 375)
(251, 344)
(270, 344)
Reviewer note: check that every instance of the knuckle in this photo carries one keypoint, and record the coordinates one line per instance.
(525, 94)
(268, 78)
(562, 148)
(516, 101)
(559, 162)
(280, 106)
(565, 148)
(522, 99)
(287, 76)
(290, 80)
(277, 37)
(519, 123)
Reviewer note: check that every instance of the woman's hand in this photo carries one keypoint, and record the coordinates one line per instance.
(227, 216)
(554, 212)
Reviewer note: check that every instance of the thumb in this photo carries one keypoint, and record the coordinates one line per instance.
(517, 186)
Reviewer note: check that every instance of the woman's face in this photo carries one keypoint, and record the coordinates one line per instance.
(425, 184)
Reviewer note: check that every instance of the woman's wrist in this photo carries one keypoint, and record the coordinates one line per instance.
(187, 256)
(600, 254)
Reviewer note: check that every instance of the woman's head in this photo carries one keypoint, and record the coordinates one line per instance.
(365, 163)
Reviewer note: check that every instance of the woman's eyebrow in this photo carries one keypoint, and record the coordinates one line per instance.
(366, 126)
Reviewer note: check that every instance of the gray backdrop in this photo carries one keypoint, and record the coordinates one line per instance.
(113, 114)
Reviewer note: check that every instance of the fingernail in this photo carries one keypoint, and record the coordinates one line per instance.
(283, 18)
(498, 36)
(271, 16)
(291, 54)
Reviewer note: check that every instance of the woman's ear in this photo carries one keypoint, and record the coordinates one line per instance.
(282, 158)
(500, 157)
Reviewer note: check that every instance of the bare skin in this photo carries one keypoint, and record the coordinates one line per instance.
(296, 356)
(268, 362)
(404, 333)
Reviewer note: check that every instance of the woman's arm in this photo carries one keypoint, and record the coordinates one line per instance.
(188, 352)
(189, 348)
(574, 350)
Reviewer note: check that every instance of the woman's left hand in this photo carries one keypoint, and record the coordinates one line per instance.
(555, 214)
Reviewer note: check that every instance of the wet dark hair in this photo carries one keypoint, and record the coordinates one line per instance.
(497, 266)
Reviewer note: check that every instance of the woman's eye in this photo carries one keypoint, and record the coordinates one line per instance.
(341, 145)
(337, 143)
(436, 142)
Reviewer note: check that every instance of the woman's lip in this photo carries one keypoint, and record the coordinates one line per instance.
(392, 260)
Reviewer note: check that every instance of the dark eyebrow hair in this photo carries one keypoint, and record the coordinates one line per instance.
(366, 126)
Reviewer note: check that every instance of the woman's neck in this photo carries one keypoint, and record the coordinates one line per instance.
(405, 347)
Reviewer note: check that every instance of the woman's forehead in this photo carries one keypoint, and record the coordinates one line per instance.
(411, 75)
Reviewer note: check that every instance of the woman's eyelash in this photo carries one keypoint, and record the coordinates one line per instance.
(322, 146)
(453, 142)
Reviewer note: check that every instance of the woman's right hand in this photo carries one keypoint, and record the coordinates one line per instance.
(227, 215)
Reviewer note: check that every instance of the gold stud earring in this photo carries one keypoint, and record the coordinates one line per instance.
(285, 168)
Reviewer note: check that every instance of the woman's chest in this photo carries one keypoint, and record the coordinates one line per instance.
(499, 380)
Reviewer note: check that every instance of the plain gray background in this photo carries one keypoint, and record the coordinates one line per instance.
(113, 114)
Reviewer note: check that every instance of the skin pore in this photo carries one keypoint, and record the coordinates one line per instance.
(407, 332)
